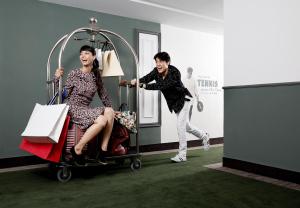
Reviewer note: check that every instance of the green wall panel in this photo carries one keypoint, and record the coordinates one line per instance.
(261, 125)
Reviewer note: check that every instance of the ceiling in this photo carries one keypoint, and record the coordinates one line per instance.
(200, 15)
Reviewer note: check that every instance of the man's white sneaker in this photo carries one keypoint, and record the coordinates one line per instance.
(178, 159)
(205, 141)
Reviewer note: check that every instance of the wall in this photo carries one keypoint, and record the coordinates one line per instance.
(261, 125)
(261, 47)
(29, 29)
(203, 52)
(261, 42)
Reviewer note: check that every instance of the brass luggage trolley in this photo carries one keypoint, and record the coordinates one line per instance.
(97, 37)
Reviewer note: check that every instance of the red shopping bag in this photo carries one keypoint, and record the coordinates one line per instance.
(48, 151)
(118, 137)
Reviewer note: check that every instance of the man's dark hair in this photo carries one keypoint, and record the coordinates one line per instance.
(163, 56)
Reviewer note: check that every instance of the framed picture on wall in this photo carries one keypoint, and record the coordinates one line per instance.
(148, 44)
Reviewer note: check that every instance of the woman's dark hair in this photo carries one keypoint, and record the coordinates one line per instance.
(163, 56)
(95, 68)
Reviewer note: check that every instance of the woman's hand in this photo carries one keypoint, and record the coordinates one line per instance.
(59, 73)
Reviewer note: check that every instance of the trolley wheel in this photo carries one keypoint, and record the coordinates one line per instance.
(136, 164)
(64, 174)
(120, 161)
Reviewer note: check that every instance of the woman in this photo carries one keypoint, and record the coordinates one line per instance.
(81, 86)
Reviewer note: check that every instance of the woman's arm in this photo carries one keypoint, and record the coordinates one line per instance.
(69, 82)
(104, 95)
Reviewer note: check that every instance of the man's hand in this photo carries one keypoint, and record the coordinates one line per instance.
(134, 82)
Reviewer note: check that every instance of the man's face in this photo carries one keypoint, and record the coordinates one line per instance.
(189, 72)
(161, 66)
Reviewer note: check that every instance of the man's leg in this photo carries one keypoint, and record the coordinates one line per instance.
(198, 133)
(182, 117)
(191, 111)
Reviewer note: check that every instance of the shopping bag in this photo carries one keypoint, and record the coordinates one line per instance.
(119, 138)
(99, 55)
(126, 118)
(45, 123)
(48, 151)
(111, 65)
(64, 95)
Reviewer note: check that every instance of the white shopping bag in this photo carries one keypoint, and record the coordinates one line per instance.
(99, 55)
(111, 65)
(45, 123)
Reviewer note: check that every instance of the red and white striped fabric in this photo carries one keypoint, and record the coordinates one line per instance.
(73, 137)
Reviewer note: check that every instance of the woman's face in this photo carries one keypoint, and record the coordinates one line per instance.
(161, 66)
(86, 58)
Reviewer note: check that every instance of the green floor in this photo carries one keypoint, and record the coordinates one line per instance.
(159, 183)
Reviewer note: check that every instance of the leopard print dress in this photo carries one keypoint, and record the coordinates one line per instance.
(81, 88)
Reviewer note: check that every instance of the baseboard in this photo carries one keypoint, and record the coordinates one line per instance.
(33, 160)
(174, 145)
(282, 174)
(20, 161)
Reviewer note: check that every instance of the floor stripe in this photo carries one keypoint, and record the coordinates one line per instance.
(286, 184)
(27, 167)
(175, 150)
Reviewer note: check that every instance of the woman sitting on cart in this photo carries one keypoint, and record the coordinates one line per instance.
(81, 86)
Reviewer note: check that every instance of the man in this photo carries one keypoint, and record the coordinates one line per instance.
(168, 81)
(190, 83)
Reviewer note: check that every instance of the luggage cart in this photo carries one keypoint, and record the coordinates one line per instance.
(97, 36)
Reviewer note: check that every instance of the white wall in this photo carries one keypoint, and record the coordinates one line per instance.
(203, 52)
(263, 44)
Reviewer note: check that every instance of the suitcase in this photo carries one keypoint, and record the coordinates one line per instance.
(118, 143)
(73, 137)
